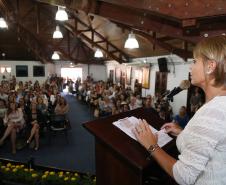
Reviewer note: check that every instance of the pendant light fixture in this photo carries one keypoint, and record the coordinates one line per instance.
(55, 56)
(57, 33)
(98, 53)
(61, 14)
(3, 23)
(131, 42)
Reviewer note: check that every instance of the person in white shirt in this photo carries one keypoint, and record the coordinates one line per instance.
(14, 120)
(202, 143)
(139, 101)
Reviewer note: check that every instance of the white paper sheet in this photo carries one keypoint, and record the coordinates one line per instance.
(129, 123)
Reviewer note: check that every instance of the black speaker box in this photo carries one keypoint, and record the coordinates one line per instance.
(162, 62)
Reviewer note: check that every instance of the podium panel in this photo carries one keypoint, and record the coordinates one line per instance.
(120, 160)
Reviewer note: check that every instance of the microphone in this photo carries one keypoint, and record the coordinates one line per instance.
(185, 84)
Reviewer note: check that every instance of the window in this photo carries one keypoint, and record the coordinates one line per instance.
(21, 71)
(38, 71)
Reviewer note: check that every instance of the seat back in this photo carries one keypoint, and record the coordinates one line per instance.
(58, 121)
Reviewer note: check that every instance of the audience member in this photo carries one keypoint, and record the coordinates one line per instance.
(14, 121)
(182, 118)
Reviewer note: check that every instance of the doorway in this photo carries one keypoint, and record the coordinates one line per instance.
(70, 75)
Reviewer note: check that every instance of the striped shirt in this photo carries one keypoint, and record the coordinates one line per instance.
(202, 146)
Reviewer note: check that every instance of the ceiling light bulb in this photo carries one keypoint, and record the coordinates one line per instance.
(206, 35)
(131, 42)
(57, 33)
(61, 14)
(98, 54)
(55, 56)
(3, 23)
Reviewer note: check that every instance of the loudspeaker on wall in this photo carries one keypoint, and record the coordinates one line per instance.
(162, 63)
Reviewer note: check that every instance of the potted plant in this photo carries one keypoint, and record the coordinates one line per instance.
(60, 178)
(16, 174)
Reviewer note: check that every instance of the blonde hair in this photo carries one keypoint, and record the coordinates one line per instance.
(214, 48)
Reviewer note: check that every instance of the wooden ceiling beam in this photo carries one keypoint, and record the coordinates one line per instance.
(135, 18)
(141, 15)
(85, 52)
(64, 52)
(33, 44)
(37, 10)
(165, 38)
(180, 52)
(85, 5)
(124, 58)
(86, 30)
(87, 39)
(28, 12)
(155, 41)
(101, 41)
(24, 34)
(68, 43)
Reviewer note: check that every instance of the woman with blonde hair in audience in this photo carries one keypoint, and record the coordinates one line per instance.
(59, 118)
(34, 124)
(41, 109)
(14, 121)
(202, 143)
(62, 107)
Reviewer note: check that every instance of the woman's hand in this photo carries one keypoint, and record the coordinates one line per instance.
(172, 128)
(144, 134)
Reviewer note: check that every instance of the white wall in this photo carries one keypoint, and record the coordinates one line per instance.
(98, 72)
(49, 69)
(182, 72)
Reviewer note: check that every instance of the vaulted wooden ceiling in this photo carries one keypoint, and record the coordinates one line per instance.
(161, 27)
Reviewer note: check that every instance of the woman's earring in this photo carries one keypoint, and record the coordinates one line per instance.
(209, 72)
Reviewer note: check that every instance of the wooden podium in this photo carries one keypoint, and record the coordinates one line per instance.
(120, 160)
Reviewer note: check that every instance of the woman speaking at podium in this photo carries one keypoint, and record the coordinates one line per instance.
(202, 143)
